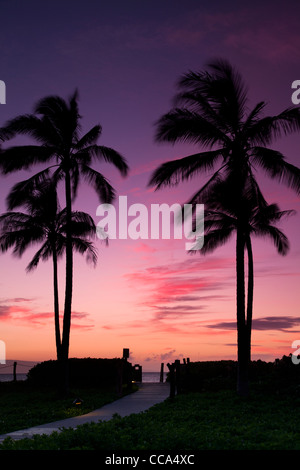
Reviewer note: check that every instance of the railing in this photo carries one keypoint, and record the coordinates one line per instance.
(178, 375)
(13, 368)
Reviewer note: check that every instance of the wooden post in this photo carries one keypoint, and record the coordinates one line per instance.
(162, 372)
(125, 353)
(129, 375)
(138, 374)
(177, 374)
(119, 377)
(187, 375)
(15, 371)
(171, 368)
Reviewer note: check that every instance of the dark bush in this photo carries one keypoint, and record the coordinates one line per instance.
(86, 372)
(207, 375)
(280, 376)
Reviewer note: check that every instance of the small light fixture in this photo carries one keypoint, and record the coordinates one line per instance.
(77, 402)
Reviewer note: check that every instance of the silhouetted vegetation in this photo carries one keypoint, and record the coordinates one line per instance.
(55, 127)
(232, 141)
(44, 223)
(210, 419)
(83, 373)
(214, 419)
(279, 377)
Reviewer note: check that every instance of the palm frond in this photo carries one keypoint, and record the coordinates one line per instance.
(183, 125)
(33, 126)
(109, 155)
(230, 91)
(20, 239)
(51, 106)
(254, 116)
(215, 239)
(75, 117)
(43, 253)
(170, 173)
(13, 219)
(265, 130)
(21, 191)
(223, 88)
(279, 239)
(274, 164)
(101, 185)
(90, 138)
(83, 246)
(61, 117)
(23, 157)
(82, 224)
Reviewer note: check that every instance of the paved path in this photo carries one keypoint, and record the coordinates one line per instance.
(149, 394)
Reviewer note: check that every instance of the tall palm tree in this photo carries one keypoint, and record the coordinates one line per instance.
(211, 111)
(44, 222)
(213, 114)
(259, 219)
(55, 125)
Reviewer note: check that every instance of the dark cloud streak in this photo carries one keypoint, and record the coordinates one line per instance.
(280, 323)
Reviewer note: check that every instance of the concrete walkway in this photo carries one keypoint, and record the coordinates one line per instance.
(149, 394)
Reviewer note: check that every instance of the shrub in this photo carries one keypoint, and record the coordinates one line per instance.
(281, 376)
(86, 372)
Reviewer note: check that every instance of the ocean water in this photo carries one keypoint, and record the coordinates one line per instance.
(10, 377)
(152, 377)
(147, 377)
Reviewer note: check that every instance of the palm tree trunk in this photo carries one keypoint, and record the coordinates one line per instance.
(56, 303)
(242, 376)
(250, 294)
(69, 283)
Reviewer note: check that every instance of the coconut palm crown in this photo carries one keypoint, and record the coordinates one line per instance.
(65, 154)
(44, 223)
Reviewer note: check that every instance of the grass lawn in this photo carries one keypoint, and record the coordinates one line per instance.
(23, 406)
(217, 420)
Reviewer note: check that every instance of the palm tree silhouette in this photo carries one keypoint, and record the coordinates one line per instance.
(45, 222)
(259, 220)
(211, 110)
(214, 113)
(55, 125)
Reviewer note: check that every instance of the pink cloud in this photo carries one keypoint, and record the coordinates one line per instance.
(171, 355)
(143, 248)
(16, 312)
(147, 167)
(175, 296)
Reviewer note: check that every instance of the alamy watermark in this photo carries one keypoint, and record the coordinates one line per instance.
(2, 352)
(2, 92)
(295, 358)
(163, 222)
(296, 94)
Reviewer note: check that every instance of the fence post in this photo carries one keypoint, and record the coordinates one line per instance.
(171, 368)
(15, 371)
(119, 377)
(178, 376)
(162, 372)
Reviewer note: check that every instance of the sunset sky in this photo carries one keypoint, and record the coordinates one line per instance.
(125, 58)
